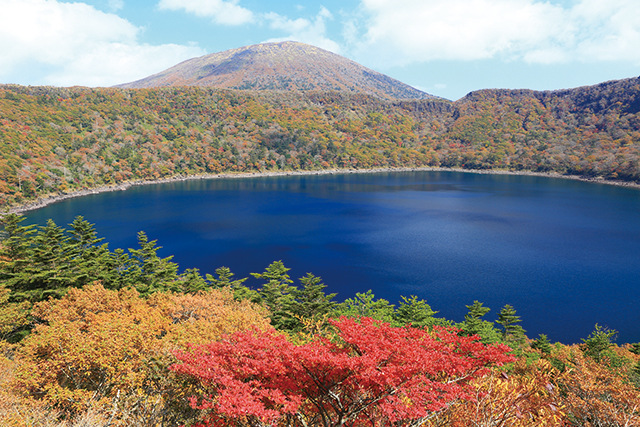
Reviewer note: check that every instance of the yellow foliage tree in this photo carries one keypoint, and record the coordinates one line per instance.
(13, 316)
(103, 349)
(524, 397)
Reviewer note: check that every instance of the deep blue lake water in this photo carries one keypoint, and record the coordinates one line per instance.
(565, 254)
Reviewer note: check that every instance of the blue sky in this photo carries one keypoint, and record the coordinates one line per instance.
(444, 47)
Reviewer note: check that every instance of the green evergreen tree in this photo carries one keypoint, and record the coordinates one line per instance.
(240, 291)
(277, 293)
(634, 375)
(365, 304)
(310, 301)
(191, 281)
(512, 332)
(542, 344)
(473, 324)
(122, 270)
(15, 251)
(83, 236)
(89, 261)
(416, 312)
(15, 319)
(275, 272)
(598, 342)
(16, 238)
(45, 262)
(147, 270)
(49, 273)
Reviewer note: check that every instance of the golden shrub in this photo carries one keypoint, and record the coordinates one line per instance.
(109, 350)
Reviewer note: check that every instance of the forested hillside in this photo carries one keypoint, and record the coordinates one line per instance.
(57, 140)
(91, 337)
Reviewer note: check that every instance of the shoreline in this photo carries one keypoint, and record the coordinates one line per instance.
(46, 201)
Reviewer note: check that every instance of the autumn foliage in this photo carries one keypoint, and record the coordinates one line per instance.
(603, 392)
(97, 348)
(56, 140)
(372, 374)
(524, 396)
(168, 349)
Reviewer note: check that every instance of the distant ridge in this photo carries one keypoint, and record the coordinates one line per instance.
(280, 66)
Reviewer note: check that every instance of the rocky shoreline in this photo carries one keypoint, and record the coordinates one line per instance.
(45, 201)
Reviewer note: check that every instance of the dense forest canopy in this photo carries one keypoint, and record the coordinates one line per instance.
(58, 140)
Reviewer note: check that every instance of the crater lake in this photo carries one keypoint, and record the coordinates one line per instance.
(564, 253)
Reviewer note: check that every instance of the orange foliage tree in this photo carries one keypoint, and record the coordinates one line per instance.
(97, 348)
(599, 392)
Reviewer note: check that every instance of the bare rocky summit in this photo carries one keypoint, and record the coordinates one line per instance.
(280, 66)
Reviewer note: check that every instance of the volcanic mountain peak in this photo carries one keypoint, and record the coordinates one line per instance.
(280, 66)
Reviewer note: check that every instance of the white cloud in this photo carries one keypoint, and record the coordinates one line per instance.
(75, 44)
(220, 11)
(407, 31)
(313, 32)
(115, 5)
(116, 63)
(606, 30)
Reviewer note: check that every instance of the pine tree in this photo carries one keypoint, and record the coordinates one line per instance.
(49, 272)
(191, 281)
(472, 323)
(416, 312)
(240, 291)
(311, 301)
(15, 251)
(89, 262)
(16, 238)
(83, 236)
(150, 272)
(509, 321)
(47, 261)
(365, 305)
(277, 293)
(542, 344)
(122, 270)
(598, 342)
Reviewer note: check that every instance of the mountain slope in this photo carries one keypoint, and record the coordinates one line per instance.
(55, 140)
(280, 66)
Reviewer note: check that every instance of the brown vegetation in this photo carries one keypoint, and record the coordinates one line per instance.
(56, 140)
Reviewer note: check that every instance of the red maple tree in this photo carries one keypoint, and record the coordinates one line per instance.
(372, 374)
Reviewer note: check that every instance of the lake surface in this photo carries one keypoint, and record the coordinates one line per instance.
(565, 254)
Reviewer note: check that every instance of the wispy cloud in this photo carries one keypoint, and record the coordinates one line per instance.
(307, 30)
(116, 5)
(311, 31)
(220, 11)
(75, 44)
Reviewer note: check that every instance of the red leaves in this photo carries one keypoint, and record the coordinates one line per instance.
(372, 374)
(247, 373)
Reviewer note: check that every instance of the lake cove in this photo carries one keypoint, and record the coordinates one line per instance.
(564, 253)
